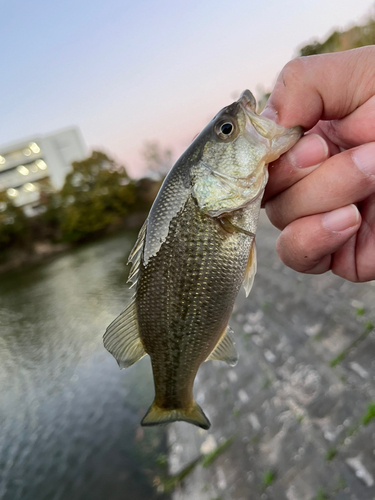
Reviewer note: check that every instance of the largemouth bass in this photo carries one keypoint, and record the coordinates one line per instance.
(193, 253)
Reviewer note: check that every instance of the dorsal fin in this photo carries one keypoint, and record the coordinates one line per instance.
(122, 338)
(225, 350)
(136, 253)
(251, 269)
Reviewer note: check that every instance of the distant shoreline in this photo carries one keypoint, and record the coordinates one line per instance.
(43, 250)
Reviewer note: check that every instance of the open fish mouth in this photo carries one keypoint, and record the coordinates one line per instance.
(247, 101)
(259, 127)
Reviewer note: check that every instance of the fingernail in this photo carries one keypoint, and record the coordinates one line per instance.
(364, 158)
(309, 151)
(341, 219)
(270, 112)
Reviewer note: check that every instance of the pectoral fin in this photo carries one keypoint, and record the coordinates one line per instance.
(251, 269)
(231, 227)
(225, 350)
(122, 339)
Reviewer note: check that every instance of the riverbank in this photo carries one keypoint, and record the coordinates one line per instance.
(42, 251)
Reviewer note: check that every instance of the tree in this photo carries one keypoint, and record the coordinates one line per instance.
(96, 194)
(357, 36)
(13, 224)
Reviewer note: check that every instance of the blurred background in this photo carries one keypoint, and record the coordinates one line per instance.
(98, 101)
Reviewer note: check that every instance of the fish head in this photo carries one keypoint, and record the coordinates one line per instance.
(238, 145)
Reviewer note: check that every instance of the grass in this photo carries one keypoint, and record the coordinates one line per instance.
(353, 429)
(340, 485)
(210, 457)
(162, 459)
(169, 483)
(366, 419)
(342, 355)
(266, 383)
(360, 311)
(255, 439)
(331, 453)
(268, 478)
(321, 495)
(318, 336)
(370, 414)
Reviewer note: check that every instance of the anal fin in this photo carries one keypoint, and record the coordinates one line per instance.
(225, 350)
(251, 269)
(122, 338)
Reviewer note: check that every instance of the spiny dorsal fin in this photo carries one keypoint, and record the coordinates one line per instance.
(122, 339)
(136, 253)
(194, 415)
(225, 350)
(139, 243)
(251, 269)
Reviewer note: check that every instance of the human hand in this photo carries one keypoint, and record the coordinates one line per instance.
(321, 193)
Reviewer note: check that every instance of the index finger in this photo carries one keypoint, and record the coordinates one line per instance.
(322, 87)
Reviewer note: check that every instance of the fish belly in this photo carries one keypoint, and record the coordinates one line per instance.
(185, 296)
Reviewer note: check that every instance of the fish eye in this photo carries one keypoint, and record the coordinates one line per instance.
(225, 130)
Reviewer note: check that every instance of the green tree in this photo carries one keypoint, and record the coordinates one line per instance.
(13, 224)
(357, 36)
(97, 193)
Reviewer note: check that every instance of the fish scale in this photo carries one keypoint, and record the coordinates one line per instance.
(185, 298)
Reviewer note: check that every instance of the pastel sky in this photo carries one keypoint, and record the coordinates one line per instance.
(129, 72)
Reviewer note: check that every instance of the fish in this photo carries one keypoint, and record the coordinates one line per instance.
(193, 253)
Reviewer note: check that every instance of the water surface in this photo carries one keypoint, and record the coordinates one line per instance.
(69, 418)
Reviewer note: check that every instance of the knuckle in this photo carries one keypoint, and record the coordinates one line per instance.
(344, 272)
(293, 249)
(294, 71)
(364, 179)
(332, 130)
(275, 213)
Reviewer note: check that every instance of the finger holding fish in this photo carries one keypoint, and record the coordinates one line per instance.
(309, 152)
(337, 182)
(307, 244)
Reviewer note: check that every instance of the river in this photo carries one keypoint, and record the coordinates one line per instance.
(69, 417)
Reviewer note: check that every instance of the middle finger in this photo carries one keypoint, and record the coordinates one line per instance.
(310, 151)
(345, 178)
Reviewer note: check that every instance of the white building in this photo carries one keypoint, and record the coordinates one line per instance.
(26, 166)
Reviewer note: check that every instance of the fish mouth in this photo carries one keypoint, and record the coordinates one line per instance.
(247, 101)
(265, 127)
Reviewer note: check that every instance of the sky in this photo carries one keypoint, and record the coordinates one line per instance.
(147, 70)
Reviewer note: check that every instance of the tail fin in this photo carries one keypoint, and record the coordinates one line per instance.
(193, 415)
